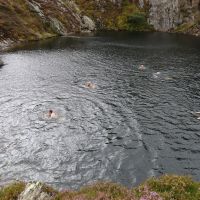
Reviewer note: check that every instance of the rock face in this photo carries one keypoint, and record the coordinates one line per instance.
(61, 16)
(33, 191)
(166, 15)
(88, 24)
(39, 19)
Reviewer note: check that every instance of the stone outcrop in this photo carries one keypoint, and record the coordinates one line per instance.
(33, 191)
(39, 19)
(66, 17)
(88, 24)
(164, 14)
(167, 15)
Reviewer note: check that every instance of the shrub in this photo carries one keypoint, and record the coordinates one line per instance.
(136, 19)
(12, 191)
(138, 22)
(172, 187)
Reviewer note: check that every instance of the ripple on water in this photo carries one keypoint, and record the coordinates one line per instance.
(133, 125)
(83, 142)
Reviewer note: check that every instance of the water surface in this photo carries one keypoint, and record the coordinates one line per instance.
(133, 125)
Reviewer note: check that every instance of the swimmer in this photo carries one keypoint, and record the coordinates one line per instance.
(89, 85)
(197, 114)
(155, 75)
(51, 114)
(142, 67)
(168, 78)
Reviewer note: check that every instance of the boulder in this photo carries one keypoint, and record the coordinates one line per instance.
(57, 26)
(35, 7)
(34, 191)
(88, 24)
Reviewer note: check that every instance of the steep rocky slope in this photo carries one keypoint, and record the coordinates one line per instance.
(116, 14)
(164, 15)
(37, 19)
(174, 15)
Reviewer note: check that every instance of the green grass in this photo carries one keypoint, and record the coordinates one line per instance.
(172, 187)
(184, 27)
(168, 187)
(104, 191)
(133, 18)
(128, 17)
(12, 191)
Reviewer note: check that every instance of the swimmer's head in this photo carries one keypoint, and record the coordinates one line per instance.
(50, 111)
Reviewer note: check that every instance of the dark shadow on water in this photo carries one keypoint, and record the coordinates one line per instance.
(79, 41)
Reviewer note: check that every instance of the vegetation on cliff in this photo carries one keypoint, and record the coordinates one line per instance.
(164, 188)
(23, 20)
(32, 20)
(17, 22)
(189, 28)
(116, 16)
(12, 191)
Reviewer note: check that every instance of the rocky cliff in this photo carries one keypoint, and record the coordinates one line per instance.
(22, 20)
(174, 15)
(37, 19)
(164, 15)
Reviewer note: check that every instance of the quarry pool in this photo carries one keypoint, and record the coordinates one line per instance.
(136, 123)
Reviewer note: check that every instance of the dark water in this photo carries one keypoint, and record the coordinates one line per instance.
(133, 125)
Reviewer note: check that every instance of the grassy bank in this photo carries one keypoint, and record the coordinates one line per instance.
(164, 188)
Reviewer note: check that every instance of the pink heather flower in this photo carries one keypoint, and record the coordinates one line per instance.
(150, 195)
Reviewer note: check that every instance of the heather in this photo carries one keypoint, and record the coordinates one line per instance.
(168, 187)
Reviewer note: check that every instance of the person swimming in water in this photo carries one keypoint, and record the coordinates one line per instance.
(197, 114)
(51, 114)
(142, 67)
(156, 75)
(89, 85)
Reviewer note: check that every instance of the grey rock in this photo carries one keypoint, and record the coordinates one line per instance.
(166, 15)
(88, 24)
(5, 44)
(57, 26)
(35, 7)
(33, 191)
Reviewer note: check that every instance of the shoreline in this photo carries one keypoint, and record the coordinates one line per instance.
(8, 44)
(166, 187)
